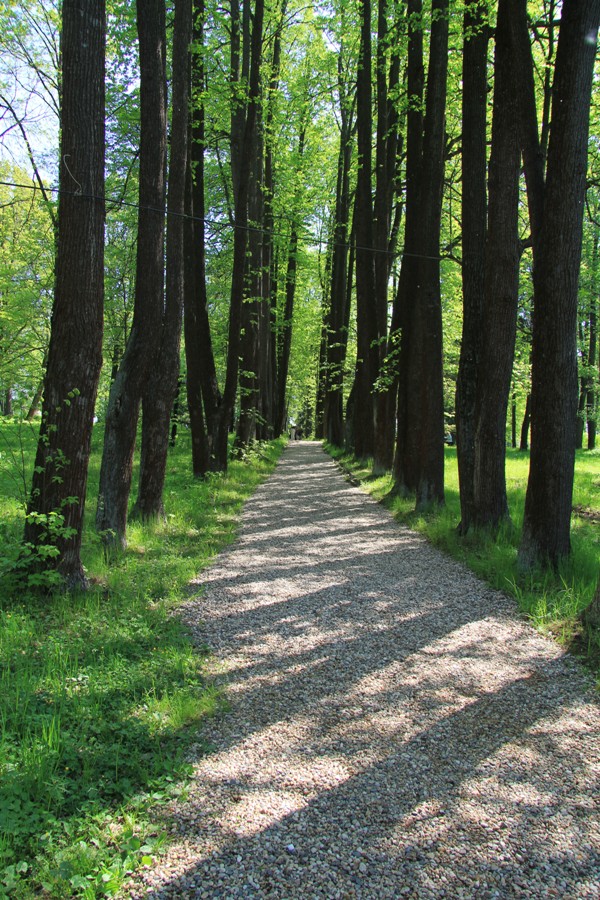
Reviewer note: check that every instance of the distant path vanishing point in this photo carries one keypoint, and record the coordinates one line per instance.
(395, 730)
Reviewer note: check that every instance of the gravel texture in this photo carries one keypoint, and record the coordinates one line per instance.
(395, 730)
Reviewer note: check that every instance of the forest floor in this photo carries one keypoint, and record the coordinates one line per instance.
(395, 729)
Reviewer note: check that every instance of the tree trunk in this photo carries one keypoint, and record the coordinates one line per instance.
(367, 364)
(250, 348)
(225, 412)
(591, 408)
(161, 388)
(192, 338)
(420, 450)
(75, 352)
(524, 442)
(474, 221)
(557, 255)
(499, 323)
(386, 184)
(405, 480)
(143, 342)
(201, 377)
(337, 333)
(285, 344)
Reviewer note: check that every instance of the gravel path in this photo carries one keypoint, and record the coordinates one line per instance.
(395, 730)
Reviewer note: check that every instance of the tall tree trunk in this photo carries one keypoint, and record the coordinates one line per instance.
(420, 450)
(225, 412)
(285, 343)
(499, 323)
(557, 255)
(386, 183)
(405, 480)
(366, 313)
(201, 377)
(161, 388)
(474, 223)
(143, 342)
(266, 422)
(593, 356)
(337, 333)
(192, 335)
(250, 348)
(524, 442)
(75, 352)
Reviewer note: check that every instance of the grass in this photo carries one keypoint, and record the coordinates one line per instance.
(552, 601)
(102, 693)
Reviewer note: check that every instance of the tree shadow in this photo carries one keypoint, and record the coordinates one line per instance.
(394, 730)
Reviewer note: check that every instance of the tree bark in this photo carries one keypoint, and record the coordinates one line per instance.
(367, 364)
(420, 447)
(405, 480)
(386, 184)
(499, 323)
(337, 332)
(161, 388)
(142, 345)
(591, 409)
(474, 223)
(201, 378)
(557, 254)
(75, 352)
(225, 412)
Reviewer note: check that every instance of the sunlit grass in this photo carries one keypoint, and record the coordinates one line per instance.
(552, 600)
(101, 692)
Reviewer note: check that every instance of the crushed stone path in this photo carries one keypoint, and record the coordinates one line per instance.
(395, 729)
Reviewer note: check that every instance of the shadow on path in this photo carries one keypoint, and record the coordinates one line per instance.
(395, 730)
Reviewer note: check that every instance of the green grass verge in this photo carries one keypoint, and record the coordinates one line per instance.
(551, 600)
(102, 693)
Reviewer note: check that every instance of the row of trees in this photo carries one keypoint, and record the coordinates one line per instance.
(335, 185)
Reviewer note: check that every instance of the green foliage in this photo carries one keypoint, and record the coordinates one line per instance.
(26, 283)
(102, 693)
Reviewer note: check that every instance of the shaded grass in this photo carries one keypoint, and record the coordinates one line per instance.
(102, 693)
(553, 601)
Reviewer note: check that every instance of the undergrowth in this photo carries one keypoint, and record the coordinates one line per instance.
(553, 601)
(101, 692)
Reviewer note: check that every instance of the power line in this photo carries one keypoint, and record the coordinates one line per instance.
(119, 203)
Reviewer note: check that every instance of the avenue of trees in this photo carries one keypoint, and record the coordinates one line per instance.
(379, 221)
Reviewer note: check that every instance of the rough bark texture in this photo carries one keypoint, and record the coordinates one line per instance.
(225, 412)
(499, 322)
(591, 407)
(337, 333)
(405, 480)
(557, 255)
(201, 377)
(161, 388)
(474, 222)
(143, 342)
(386, 183)
(285, 341)
(250, 347)
(366, 314)
(75, 352)
(420, 450)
